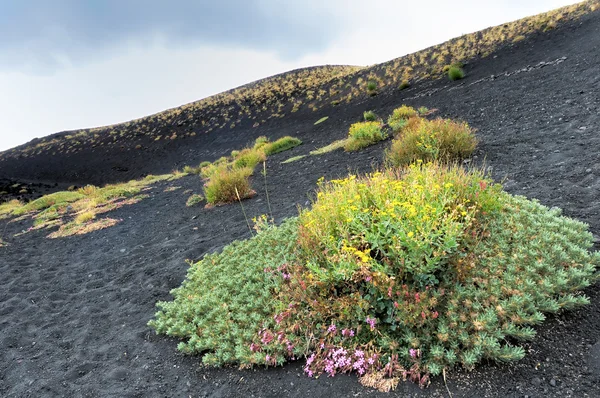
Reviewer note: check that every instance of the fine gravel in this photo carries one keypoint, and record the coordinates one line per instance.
(73, 311)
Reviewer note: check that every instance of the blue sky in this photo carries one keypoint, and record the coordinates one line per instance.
(68, 64)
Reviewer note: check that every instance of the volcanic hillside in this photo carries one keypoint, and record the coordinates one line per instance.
(74, 310)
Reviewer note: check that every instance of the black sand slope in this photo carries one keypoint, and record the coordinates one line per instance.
(73, 311)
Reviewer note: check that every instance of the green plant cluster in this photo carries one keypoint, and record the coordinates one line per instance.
(431, 140)
(398, 274)
(363, 134)
(228, 179)
(193, 200)
(227, 298)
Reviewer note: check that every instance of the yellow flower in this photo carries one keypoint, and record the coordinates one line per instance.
(410, 234)
(448, 185)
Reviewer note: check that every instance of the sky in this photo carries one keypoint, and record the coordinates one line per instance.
(70, 64)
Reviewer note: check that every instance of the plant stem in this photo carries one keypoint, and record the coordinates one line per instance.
(243, 211)
(266, 190)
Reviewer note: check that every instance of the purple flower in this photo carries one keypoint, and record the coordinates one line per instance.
(268, 358)
(347, 332)
(332, 328)
(371, 322)
(413, 353)
(285, 276)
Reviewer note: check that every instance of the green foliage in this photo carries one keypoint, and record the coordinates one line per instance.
(7, 208)
(293, 159)
(321, 120)
(429, 140)
(250, 157)
(363, 134)
(422, 269)
(260, 142)
(46, 201)
(372, 87)
(226, 184)
(227, 298)
(329, 148)
(192, 170)
(204, 164)
(194, 200)
(404, 273)
(404, 85)
(399, 117)
(282, 144)
(455, 73)
(369, 116)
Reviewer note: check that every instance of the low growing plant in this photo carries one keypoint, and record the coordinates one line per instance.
(227, 183)
(369, 116)
(194, 200)
(400, 116)
(455, 73)
(430, 140)
(363, 134)
(282, 144)
(397, 275)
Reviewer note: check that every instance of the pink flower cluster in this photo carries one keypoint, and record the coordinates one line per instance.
(372, 322)
(339, 360)
(347, 332)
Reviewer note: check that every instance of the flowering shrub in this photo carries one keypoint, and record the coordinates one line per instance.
(429, 140)
(396, 275)
(363, 134)
(404, 274)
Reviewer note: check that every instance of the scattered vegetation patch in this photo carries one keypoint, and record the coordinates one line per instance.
(363, 134)
(81, 205)
(429, 140)
(329, 148)
(74, 228)
(372, 88)
(401, 274)
(293, 159)
(282, 144)
(194, 200)
(53, 199)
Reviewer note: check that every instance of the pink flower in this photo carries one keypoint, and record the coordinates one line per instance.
(285, 276)
(371, 322)
(413, 353)
(267, 358)
(254, 347)
(347, 332)
(332, 328)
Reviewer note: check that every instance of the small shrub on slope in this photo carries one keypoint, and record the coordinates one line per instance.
(369, 116)
(429, 140)
(226, 184)
(399, 117)
(363, 134)
(455, 73)
(227, 298)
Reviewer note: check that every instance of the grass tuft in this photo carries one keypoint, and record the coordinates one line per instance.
(194, 200)
(425, 140)
(363, 134)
